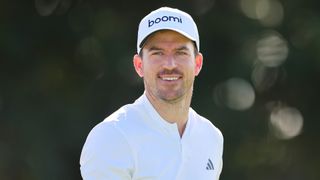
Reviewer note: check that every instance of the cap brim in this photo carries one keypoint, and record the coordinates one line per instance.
(144, 40)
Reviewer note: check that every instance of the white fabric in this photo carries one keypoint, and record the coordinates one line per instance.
(170, 19)
(135, 143)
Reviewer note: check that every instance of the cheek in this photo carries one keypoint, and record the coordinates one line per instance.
(147, 71)
(150, 67)
(191, 67)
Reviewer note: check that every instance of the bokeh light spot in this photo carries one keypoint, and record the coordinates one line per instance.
(262, 9)
(264, 78)
(235, 93)
(267, 12)
(272, 49)
(248, 8)
(286, 122)
(273, 15)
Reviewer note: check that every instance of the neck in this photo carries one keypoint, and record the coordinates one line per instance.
(173, 112)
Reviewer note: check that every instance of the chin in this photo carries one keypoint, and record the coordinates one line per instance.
(171, 98)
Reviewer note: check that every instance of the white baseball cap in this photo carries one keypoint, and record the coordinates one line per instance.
(166, 18)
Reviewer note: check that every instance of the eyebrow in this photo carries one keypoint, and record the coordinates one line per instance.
(182, 48)
(155, 48)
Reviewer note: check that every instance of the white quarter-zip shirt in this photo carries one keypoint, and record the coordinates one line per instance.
(135, 143)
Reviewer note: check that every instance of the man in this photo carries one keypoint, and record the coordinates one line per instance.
(158, 136)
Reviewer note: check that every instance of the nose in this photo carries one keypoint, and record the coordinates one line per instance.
(170, 63)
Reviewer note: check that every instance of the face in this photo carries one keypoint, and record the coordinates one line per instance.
(168, 66)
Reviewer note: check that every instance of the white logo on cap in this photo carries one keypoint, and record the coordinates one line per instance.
(164, 19)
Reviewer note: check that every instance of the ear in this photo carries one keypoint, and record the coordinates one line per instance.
(198, 65)
(138, 66)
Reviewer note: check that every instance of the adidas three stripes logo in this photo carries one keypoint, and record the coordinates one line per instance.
(210, 165)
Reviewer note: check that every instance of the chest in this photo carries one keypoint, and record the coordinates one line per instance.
(163, 157)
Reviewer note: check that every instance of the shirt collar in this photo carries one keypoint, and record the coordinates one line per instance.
(158, 121)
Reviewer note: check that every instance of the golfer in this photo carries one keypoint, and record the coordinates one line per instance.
(159, 136)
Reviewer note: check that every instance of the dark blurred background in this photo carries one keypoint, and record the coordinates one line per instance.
(67, 64)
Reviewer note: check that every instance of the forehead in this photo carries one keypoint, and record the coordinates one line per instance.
(166, 37)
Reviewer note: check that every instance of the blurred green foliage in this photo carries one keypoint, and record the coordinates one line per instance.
(67, 64)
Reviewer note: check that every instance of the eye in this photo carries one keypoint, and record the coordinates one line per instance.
(182, 53)
(157, 53)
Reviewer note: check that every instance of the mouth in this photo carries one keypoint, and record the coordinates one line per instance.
(174, 78)
(170, 76)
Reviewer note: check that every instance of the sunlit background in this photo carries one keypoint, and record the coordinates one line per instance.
(67, 64)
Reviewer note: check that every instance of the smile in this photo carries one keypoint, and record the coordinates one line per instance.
(170, 78)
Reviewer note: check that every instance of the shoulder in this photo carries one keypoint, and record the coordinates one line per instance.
(115, 127)
(107, 139)
(206, 126)
(101, 137)
(106, 151)
(115, 124)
